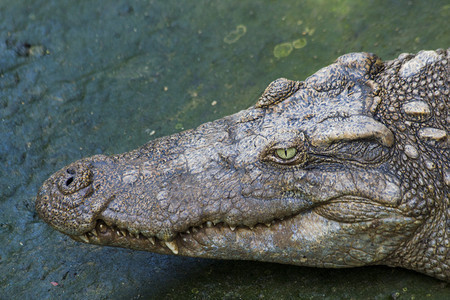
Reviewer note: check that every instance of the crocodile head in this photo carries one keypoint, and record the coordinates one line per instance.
(347, 168)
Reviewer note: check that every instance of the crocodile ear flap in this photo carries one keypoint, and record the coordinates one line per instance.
(277, 91)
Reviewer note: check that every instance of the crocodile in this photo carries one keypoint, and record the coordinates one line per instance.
(347, 168)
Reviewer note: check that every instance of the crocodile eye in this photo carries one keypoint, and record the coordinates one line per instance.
(286, 153)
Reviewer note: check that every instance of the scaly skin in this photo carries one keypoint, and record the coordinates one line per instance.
(348, 168)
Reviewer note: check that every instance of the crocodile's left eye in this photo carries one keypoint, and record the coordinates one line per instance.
(289, 150)
(288, 156)
(286, 153)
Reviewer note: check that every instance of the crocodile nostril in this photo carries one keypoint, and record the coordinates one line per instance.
(75, 178)
(69, 181)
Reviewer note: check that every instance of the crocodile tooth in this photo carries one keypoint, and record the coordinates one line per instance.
(201, 226)
(123, 231)
(267, 224)
(84, 238)
(232, 228)
(209, 224)
(94, 232)
(152, 240)
(103, 228)
(188, 232)
(194, 229)
(172, 246)
(118, 232)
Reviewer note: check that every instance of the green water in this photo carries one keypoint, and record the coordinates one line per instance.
(84, 77)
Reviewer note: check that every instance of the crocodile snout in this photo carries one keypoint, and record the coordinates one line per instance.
(67, 199)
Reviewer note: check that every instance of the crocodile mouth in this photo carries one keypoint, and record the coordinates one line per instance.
(113, 235)
(106, 232)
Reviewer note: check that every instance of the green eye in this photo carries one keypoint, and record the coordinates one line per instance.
(286, 153)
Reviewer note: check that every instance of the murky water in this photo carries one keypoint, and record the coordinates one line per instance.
(84, 77)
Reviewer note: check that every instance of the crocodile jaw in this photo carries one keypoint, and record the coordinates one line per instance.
(308, 239)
